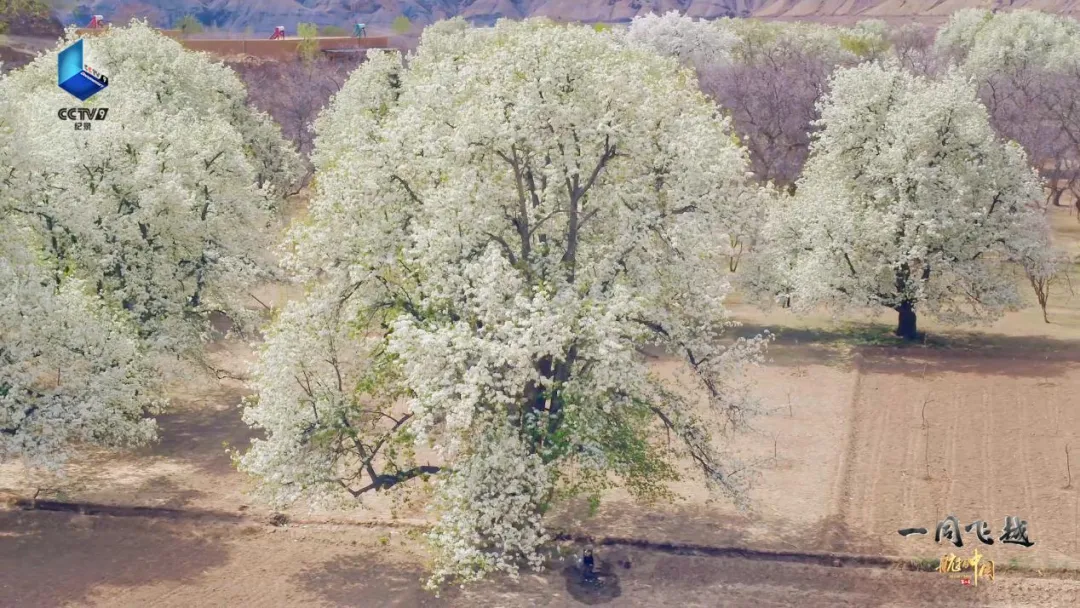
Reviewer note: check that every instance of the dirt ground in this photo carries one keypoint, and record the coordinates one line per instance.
(865, 437)
(53, 559)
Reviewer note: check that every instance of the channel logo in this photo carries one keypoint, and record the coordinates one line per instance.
(77, 78)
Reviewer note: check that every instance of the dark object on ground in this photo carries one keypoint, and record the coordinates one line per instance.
(591, 583)
(279, 519)
(588, 564)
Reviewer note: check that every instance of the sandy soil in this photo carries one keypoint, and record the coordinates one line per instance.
(797, 462)
(104, 561)
(992, 443)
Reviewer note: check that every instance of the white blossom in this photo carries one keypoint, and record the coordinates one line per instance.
(490, 511)
(908, 201)
(696, 42)
(70, 371)
(124, 237)
(496, 228)
(985, 44)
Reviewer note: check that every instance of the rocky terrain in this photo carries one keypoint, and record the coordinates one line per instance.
(262, 15)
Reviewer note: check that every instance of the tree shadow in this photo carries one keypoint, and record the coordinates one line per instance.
(653, 574)
(601, 590)
(695, 525)
(199, 433)
(780, 353)
(170, 494)
(955, 351)
(855, 333)
(757, 577)
(160, 491)
(789, 354)
(749, 582)
(981, 361)
(678, 522)
(52, 559)
(365, 580)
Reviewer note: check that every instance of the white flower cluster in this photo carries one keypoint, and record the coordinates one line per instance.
(69, 372)
(711, 43)
(765, 75)
(985, 44)
(908, 197)
(490, 511)
(139, 228)
(760, 42)
(497, 227)
(694, 42)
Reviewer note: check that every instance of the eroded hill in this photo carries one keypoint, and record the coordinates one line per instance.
(263, 15)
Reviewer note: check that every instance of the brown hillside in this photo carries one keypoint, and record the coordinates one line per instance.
(263, 15)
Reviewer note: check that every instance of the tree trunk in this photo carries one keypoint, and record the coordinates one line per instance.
(906, 328)
(1056, 197)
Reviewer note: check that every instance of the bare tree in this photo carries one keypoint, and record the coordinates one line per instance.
(294, 92)
(1045, 271)
(1038, 110)
(1062, 108)
(913, 47)
(771, 91)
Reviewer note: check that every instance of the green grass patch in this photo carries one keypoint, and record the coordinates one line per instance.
(925, 564)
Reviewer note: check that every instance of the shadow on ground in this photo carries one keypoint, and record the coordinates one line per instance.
(711, 581)
(693, 524)
(171, 494)
(956, 351)
(603, 589)
(984, 361)
(368, 580)
(199, 433)
(52, 559)
(640, 578)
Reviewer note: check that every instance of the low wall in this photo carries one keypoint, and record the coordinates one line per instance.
(85, 31)
(281, 49)
(270, 49)
(217, 47)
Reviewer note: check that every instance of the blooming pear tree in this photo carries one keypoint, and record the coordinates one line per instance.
(1027, 65)
(984, 43)
(70, 372)
(695, 42)
(769, 76)
(497, 228)
(120, 241)
(908, 201)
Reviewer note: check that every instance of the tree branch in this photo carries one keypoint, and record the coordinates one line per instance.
(384, 482)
